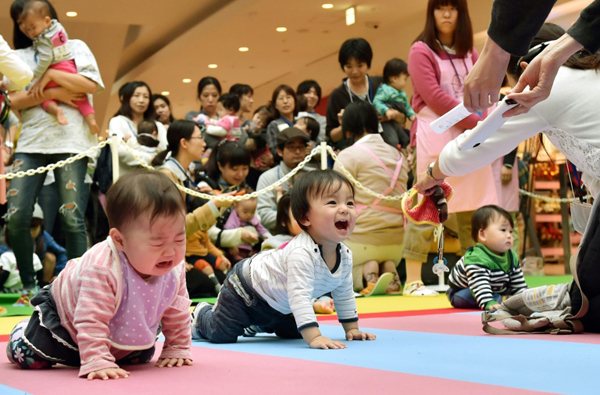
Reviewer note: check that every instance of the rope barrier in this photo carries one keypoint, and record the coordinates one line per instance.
(291, 174)
(60, 163)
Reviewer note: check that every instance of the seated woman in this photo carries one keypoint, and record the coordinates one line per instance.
(376, 242)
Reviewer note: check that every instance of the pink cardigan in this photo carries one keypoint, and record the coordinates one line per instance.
(87, 293)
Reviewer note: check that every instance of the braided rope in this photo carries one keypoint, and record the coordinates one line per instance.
(300, 166)
(52, 166)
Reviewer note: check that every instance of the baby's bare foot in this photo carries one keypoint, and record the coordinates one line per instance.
(60, 117)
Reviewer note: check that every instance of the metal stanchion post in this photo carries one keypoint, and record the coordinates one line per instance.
(323, 155)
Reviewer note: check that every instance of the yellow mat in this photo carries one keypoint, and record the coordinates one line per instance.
(384, 304)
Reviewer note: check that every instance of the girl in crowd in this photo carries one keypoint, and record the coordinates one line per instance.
(285, 106)
(376, 242)
(355, 60)
(185, 146)
(135, 107)
(209, 92)
(244, 93)
(311, 90)
(43, 141)
(162, 107)
(438, 64)
(569, 118)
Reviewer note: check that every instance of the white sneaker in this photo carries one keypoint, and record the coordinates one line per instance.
(195, 314)
(417, 288)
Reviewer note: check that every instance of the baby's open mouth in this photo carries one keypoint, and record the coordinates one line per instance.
(342, 224)
(163, 264)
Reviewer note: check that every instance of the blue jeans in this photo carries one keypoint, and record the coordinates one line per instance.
(73, 194)
(238, 307)
(464, 299)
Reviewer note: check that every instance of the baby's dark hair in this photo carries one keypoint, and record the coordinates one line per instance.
(266, 111)
(147, 126)
(486, 214)
(393, 68)
(142, 192)
(313, 127)
(312, 184)
(230, 101)
(302, 103)
(38, 7)
(283, 214)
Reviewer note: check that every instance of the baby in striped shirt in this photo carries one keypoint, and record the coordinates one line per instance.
(489, 272)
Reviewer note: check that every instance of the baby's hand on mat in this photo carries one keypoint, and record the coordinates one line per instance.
(110, 373)
(355, 334)
(326, 343)
(170, 362)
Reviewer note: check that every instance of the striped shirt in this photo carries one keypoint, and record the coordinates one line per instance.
(289, 278)
(480, 270)
(88, 293)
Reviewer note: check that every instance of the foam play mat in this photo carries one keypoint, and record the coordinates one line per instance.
(422, 346)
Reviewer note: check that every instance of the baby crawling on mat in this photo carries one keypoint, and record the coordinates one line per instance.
(104, 309)
(274, 289)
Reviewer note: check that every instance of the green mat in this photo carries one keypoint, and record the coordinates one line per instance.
(7, 300)
(537, 281)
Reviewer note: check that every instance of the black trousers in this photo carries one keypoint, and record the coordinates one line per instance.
(588, 270)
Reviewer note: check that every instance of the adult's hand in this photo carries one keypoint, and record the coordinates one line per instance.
(482, 86)
(540, 74)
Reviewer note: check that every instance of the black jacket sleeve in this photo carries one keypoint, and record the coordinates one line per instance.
(586, 30)
(515, 23)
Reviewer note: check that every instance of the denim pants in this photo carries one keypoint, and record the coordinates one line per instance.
(464, 299)
(73, 194)
(238, 307)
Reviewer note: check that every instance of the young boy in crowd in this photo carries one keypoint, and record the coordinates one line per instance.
(489, 272)
(274, 288)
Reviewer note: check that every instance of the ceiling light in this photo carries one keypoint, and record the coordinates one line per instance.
(243, 49)
(186, 80)
(327, 6)
(71, 14)
(350, 16)
(281, 29)
(212, 66)
(165, 93)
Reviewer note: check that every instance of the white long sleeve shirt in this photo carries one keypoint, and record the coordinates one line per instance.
(569, 117)
(17, 74)
(288, 279)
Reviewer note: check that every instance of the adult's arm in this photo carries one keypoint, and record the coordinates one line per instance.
(454, 162)
(267, 203)
(585, 29)
(422, 70)
(21, 100)
(225, 238)
(515, 23)
(333, 130)
(73, 82)
(16, 72)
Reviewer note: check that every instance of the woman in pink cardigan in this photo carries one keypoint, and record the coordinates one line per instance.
(438, 63)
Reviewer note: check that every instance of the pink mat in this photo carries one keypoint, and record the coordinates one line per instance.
(227, 372)
(460, 324)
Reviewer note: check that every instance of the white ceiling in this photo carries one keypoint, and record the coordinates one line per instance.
(163, 42)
